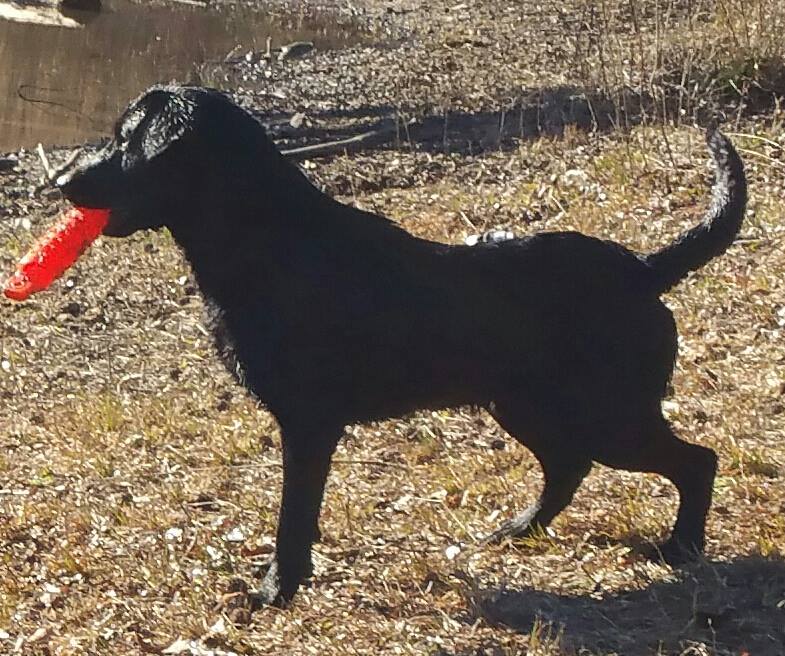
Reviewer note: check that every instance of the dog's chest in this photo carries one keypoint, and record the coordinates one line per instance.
(245, 343)
(225, 342)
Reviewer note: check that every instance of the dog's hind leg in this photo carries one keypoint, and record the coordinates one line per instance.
(306, 463)
(563, 468)
(655, 448)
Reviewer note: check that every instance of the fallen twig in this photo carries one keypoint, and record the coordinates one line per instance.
(340, 146)
(47, 167)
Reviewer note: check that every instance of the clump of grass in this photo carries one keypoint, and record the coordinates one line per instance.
(753, 462)
(683, 61)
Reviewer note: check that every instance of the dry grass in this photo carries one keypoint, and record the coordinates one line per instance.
(679, 60)
(138, 482)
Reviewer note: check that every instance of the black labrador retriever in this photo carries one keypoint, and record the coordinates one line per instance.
(331, 315)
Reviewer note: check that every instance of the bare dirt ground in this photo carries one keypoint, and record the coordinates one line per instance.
(138, 483)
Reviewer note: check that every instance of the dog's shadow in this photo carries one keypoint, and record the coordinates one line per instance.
(542, 112)
(735, 607)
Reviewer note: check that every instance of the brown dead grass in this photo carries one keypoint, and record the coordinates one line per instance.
(138, 482)
(679, 60)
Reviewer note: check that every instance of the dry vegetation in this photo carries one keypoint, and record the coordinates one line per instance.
(138, 483)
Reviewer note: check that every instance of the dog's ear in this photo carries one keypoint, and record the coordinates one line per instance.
(153, 123)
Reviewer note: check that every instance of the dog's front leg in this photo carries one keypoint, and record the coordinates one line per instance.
(306, 463)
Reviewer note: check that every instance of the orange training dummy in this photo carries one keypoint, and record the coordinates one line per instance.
(57, 250)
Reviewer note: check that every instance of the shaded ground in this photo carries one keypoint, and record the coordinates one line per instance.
(137, 482)
(735, 605)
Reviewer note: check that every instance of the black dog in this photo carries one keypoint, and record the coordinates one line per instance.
(331, 315)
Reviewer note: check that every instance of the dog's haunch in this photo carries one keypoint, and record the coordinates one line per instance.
(56, 251)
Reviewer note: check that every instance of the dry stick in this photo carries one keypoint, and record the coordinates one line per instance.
(664, 130)
(408, 135)
(520, 118)
(641, 50)
(53, 174)
(444, 133)
(754, 153)
(336, 147)
(747, 135)
(466, 220)
(47, 167)
(379, 463)
(745, 89)
(67, 164)
(337, 461)
(595, 122)
(601, 52)
(357, 142)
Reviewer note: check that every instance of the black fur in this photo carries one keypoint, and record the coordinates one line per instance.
(332, 315)
(719, 227)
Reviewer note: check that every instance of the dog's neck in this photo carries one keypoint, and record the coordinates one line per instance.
(280, 210)
(282, 215)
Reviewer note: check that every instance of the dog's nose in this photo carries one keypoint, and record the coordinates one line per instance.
(64, 181)
(71, 184)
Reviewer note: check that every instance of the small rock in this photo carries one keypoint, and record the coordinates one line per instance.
(173, 534)
(294, 50)
(179, 646)
(215, 555)
(198, 573)
(235, 535)
(452, 551)
(39, 634)
(218, 627)
(297, 120)
(73, 308)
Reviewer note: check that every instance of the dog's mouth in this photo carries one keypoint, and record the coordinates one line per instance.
(118, 224)
(91, 183)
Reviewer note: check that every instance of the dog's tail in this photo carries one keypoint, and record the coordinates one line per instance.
(720, 224)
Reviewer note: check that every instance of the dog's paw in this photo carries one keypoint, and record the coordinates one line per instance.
(522, 526)
(270, 592)
(510, 529)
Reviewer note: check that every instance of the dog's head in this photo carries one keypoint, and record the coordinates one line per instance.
(172, 148)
